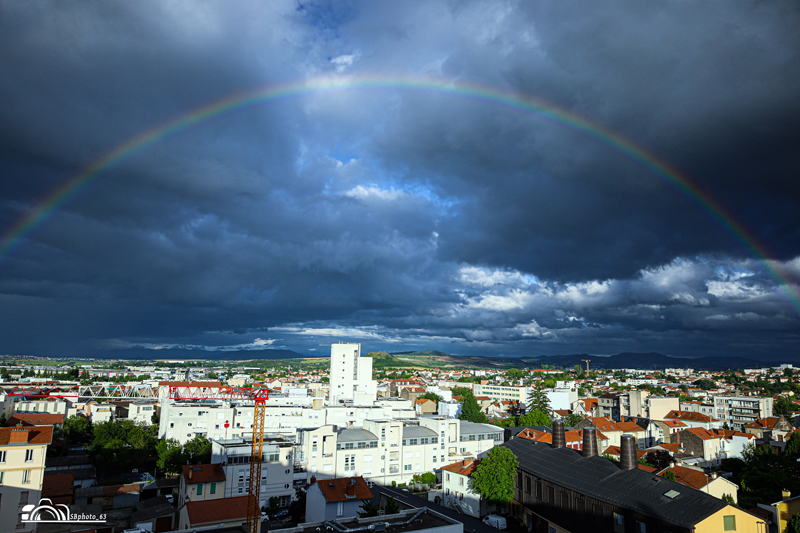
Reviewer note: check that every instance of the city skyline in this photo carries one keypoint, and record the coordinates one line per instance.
(482, 179)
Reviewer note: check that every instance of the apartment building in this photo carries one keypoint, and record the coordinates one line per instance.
(142, 412)
(382, 451)
(351, 375)
(22, 459)
(53, 406)
(501, 392)
(738, 411)
(459, 439)
(277, 469)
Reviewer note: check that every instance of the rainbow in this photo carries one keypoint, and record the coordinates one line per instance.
(49, 206)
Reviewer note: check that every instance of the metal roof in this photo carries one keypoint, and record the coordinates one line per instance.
(355, 434)
(602, 479)
(468, 428)
(418, 431)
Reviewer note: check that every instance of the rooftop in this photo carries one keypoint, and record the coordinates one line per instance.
(355, 434)
(601, 479)
(202, 473)
(219, 510)
(424, 519)
(344, 489)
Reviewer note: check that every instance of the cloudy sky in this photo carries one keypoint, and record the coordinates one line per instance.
(385, 205)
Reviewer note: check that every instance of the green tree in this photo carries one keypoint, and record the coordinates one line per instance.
(155, 419)
(391, 507)
(170, 456)
(198, 450)
(368, 509)
(428, 478)
(460, 391)
(794, 525)
(494, 477)
(3, 421)
(471, 411)
(728, 498)
(538, 400)
(432, 396)
(705, 384)
(792, 450)
(783, 406)
(573, 419)
(669, 474)
(534, 418)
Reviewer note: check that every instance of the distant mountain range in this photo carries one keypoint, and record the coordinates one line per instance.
(181, 354)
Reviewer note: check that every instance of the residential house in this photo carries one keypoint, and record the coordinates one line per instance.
(201, 482)
(604, 425)
(585, 407)
(639, 433)
(694, 420)
(784, 510)
(424, 406)
(36, 419)
(770, 428)
(22, 460)
(156, 515)
(328, 499)
(610, 406)
(710, 483)
(208, 513)
(701, 442)
(110, 496)
(457, 490)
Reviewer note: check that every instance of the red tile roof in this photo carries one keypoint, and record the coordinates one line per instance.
(35, 435)
(674, 423)
(690, 416)
(603, 423)
(629, 427)
(615, 451)
(344, 489)
(121, 489)
(54, 484)
(764, 423)
(689, 477)
(202, 473)
(35, 419)
(218, 510)
(466, 467)
(702, 433)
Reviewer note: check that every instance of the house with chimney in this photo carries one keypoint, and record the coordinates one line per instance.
(201, 482)
(457, 490)
(710, 483)
(560, 489)
(329, 499)
(770, 428)
(694, 420)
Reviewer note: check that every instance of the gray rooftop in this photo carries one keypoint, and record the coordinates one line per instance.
(468, 428)
(602, 479)
(418, 431)
(355, 434)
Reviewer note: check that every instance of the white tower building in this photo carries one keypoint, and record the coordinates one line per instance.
(351, 375)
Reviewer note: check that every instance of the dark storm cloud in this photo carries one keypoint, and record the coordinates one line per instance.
(401, 218)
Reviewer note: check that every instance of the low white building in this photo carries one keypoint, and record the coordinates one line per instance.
(457, 490)
(277, 475)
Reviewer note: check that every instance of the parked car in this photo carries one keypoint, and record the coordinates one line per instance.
(280, 514)
(495, 521)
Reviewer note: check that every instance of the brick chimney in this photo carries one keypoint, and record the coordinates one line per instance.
(18, 435)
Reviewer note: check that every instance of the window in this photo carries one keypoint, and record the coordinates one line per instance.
(26, 476)
(1, 478)
(212, 488)
(28, 456)
(2, 457)
(539, 493)
(199, 489)
(729, 522)
(407, 467)
(527, 485)
(619, 522)
(551, 495)
(340, 509)
(23, 497)
(641, 527)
